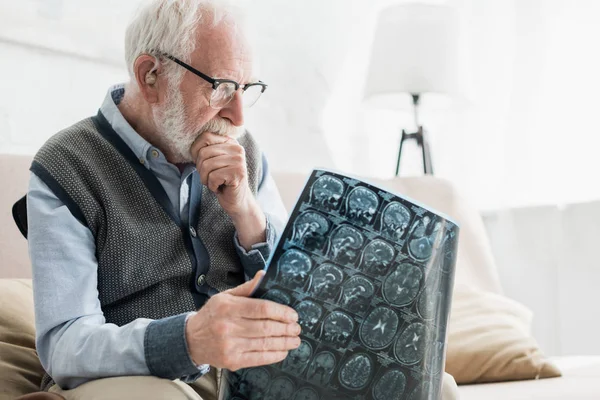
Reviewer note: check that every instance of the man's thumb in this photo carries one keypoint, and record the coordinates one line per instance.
(246, 289)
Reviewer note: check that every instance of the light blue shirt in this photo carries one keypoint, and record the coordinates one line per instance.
(74, 342)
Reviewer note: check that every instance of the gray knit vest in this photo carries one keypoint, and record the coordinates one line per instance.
(145, 257)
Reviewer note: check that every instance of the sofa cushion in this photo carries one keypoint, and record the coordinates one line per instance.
(581, 375)
(13, 246)
(489, 340)
(20, 369)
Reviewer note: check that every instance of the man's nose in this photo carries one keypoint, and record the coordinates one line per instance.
(234, 110)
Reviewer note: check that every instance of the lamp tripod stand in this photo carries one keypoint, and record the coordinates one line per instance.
(420, 137)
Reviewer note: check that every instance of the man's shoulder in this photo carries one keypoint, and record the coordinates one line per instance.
(81, 133)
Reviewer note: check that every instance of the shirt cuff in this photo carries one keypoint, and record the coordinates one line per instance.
(166, 352)
(256, 259)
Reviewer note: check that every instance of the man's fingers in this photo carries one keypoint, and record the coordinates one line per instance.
(216, 150)
(246, 289)
(285, 343)
(209, 152)
(257, 358)
(259, 309)
(256, 328)
(230, 175)
(207, 139)
(214, 164)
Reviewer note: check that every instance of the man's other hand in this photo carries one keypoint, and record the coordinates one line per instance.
(234, 331)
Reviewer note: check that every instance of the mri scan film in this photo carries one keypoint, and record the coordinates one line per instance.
(370, 274)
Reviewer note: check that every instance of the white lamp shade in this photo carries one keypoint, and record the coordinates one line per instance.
(415, 50)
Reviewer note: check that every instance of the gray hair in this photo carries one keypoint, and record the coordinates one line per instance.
(169, 26)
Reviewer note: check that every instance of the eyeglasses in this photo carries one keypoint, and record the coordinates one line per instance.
(225, 89)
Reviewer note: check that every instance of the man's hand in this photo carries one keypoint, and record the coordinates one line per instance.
(221, 163)
(233, 331)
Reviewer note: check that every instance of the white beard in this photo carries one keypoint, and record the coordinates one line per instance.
(171, 123)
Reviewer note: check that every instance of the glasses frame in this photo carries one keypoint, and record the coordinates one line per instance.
(215, 82)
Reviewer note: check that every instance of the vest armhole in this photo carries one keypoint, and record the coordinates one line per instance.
(58, 191)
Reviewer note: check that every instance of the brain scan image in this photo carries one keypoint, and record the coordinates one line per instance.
(278, 296)
(377, 257)
(326, 192)
(361, 205)
(254, 383)
(281, 388)
(379, 328)
(326, 281)
(410, 346)
(370, 274)
(356, 372)
(357, 293)
(423, 235)
(321, 369)
(345, 244)
(306, 393)
(394, 221)
(337, 329)
(309, 314)
(390, 386)
(402, 285)
(293, 269)
(297, 360)
(309, 230)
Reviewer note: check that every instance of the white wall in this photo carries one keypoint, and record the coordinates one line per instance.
(44, 91)
(61, 64)
(57, 61)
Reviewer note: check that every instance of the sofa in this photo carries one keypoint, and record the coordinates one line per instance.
(475, 268)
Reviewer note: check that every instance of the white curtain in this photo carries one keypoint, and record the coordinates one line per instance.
(524, 149)
(532, 137)
(529, 133)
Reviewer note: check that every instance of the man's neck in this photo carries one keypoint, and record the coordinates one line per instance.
(136, 116)
(141, 120)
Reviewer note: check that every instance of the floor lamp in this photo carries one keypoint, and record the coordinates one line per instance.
(415, 53)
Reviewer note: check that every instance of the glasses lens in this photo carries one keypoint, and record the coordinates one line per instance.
(252, 94)
(222, 95)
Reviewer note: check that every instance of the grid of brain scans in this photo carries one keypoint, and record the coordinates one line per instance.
(370, 274)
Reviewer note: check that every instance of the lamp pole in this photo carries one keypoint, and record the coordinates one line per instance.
(420, 137)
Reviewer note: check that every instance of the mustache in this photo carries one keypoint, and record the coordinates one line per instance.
(222, 127)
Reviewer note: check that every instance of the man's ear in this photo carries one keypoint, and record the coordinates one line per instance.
(147, 70)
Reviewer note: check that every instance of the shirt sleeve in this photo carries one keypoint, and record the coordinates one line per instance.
(74, 342)
(270, 202)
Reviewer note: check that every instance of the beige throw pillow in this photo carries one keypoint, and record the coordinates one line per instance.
(489, 340)
(20, 368)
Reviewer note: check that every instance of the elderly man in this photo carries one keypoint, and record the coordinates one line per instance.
(150, 223)
(141, 214)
